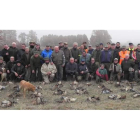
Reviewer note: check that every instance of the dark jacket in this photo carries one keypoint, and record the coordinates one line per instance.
(92, 67)
(9, 65)
(35, 50)
(96, 55)
(75, 53)
(13, 52)
(90, 51)
(2, 65)
(83, 68)
(25, 60)
(71, 67)
(126, 64)
(35, 62)
(20, 53)
(6, 58)
(0, 53)
(106, 57)
(116, 53)
(67, 54)
(20, 70)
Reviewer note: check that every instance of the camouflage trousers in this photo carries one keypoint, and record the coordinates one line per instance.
(48, 78)
(114, 76)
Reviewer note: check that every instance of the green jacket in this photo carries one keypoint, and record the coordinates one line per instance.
(118, 68)
(96, 55)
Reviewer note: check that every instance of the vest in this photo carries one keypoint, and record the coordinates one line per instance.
(105, 59)
(122, 55)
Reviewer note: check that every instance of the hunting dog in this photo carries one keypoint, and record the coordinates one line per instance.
(3, 75)
(26, 86)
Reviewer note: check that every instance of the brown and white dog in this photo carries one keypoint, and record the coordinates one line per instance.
(3, 75)
(26, 86)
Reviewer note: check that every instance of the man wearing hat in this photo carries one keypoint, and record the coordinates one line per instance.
(61, 45)
(90, 50)
(131, 50)
(21, 51)
(35, 63)
(47, 52)
(67, 54)
(116, 70)
(109, 45)
(96, 55)
(48, 71)
(101, 46)
(116, 51)
(2, 65)
(106, 58)
(31, 46)
(86, 57)
(112, 49)
(123, 53)
(17, 72)
(83, 70)
(36, 48)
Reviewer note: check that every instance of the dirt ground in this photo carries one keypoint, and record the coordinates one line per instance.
(81, 103)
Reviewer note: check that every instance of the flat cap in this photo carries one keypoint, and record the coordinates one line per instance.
(36, 52)
(116, 59)
(130, 44)
(65, 43)
(123, 47)
(113, 44)
(46, 58)
(83, 60)
(101, 43)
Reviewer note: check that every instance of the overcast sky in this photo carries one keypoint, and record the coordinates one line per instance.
(123, 36)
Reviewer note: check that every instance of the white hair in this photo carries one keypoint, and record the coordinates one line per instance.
(56, 47)
(12, 57)
(127, 55)
(14, 43)
(71, 58)
(26, 48)
(75, 43)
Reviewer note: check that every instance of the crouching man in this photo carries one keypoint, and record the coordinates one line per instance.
(83, 71)
(101, 73)
(71, 69)
(2, 65)
(18, 72)
(116, 70)
(48, 71)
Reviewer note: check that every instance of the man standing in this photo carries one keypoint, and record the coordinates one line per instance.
(48, 71)
(61, 45)
(71, 69)
(36, 49)
(13, 51)
(35, 63)
(131, 50)
(17, 72)
(122, 54)
(75, 52)
(58, 58)
(127, 68)
(116, 70)
(5, 53)
(86, 57)
(92, 67)
(32, 45)
(83, 70)
(21, 51)
(116, 51)
(90, 50)
(25, 59)
(112, 49)
(9, 66)
(2, 65)
(101, 46)
(96, 55)
(47, 52)
(67, 54)
(109, 45)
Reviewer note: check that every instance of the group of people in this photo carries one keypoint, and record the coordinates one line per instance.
(109, 62)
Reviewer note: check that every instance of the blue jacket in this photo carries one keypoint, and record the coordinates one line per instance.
(45, 54)
(106, 56)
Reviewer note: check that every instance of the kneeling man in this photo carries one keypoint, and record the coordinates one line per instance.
(48, 71)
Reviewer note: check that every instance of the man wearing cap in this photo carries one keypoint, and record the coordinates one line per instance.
(101, 74)
(48, 71)
(109, 45)
(13, 51)
(106, 58)
(101, 46)
(36, 49)
(5, 53)
(67, 54)
(116, 70)
(21, 51)
(31, 45)
(128, 68)
(75, 52)
(47, 52)
(131, 50)
(25, 59)
(71, 69)
(90, 50)
(92, 67)
(96, 55)
(122, 54)
(36, 64)
(83, 70)
(17, 72)
(2, 64)
(58, 58)
(116, 51)
(61, 45)
(86, 57)
(9, 66)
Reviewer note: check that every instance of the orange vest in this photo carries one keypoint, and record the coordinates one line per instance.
(122, 55)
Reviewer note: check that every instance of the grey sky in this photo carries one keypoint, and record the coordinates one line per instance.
(123, 36)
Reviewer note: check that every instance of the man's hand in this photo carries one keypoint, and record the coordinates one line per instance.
(82, 72)
(16, 74)
(20, 76)
(8, 71)
(33, 71)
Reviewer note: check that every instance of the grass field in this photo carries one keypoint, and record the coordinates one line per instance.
(81, 103)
